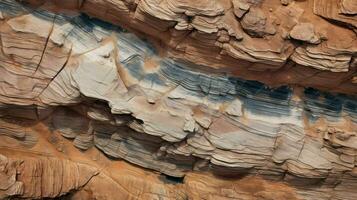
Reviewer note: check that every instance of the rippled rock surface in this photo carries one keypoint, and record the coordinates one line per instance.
(81, 98)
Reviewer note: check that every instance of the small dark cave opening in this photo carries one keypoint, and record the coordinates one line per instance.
(171, 179)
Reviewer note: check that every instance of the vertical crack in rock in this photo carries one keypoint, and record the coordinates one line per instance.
(46, 44)
(57, 73)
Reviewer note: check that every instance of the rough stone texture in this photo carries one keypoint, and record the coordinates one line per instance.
(220, 33)
(226, 100)
(305, 32)
(42, 176)
(255, 23)
(348, 7)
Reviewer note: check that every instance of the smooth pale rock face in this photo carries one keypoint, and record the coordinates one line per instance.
(235, 108)
(81, 98)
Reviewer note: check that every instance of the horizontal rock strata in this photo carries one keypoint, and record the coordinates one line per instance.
(217, 35)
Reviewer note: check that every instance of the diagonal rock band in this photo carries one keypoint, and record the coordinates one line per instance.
(241, 99)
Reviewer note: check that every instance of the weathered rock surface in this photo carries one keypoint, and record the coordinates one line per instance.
(220, 33)
(348, 7)
(177, 98)
(305, 32)
(256, 24)
(41, 176)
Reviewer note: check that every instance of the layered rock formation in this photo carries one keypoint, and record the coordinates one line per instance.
(237, 99)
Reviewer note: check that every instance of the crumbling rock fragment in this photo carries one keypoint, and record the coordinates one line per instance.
(305, 32)
(240, 7)
(256, 24)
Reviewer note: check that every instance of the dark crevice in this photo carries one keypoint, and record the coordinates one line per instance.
(171, 179)
(46, 44)
(59, 71)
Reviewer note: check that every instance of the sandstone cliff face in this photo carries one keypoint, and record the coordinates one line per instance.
(241, 99)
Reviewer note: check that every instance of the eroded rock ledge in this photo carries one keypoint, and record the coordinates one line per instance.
(106, 89)
(275, 42)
